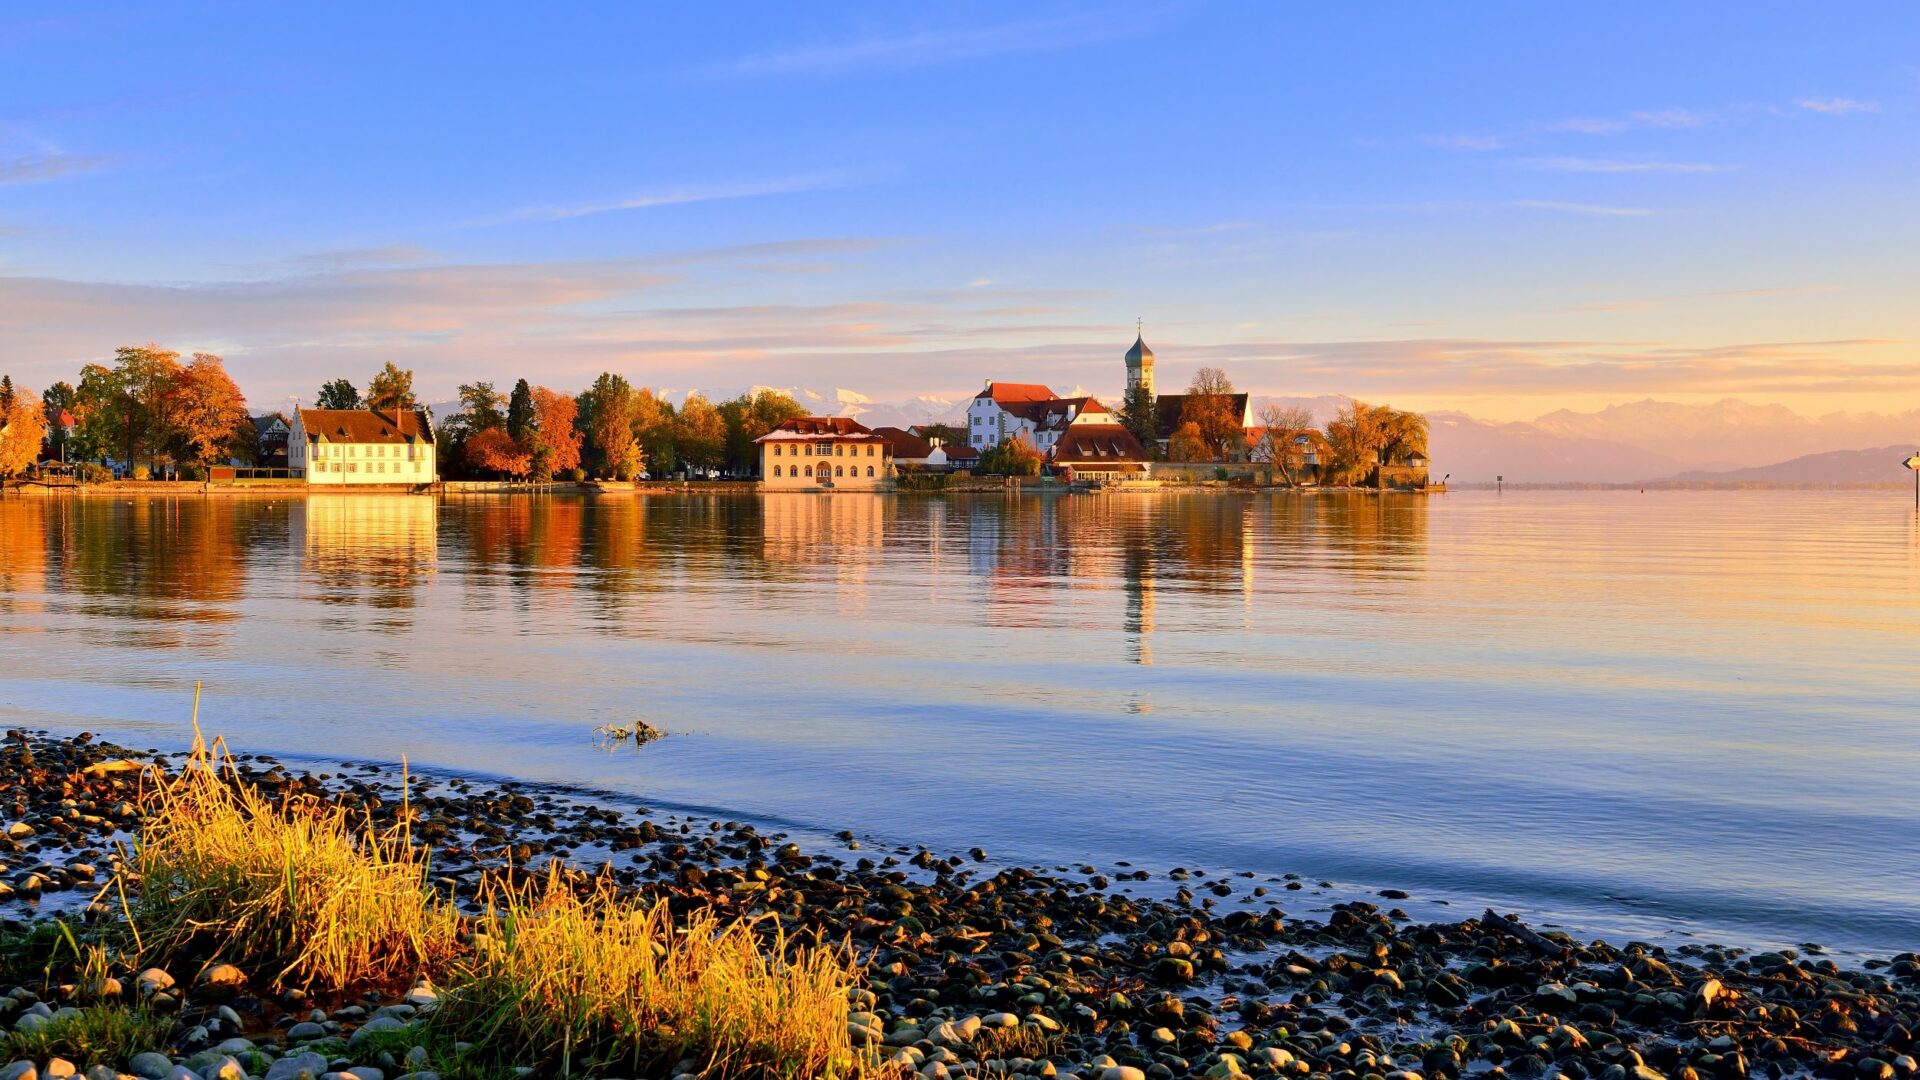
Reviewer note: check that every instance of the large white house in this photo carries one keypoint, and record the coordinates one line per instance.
(362, 446)
(1003, 410)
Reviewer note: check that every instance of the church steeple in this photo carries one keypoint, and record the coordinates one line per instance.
(1140, 361)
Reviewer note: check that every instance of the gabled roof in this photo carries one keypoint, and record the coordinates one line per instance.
(1167, 409)
(821, 427)
(904, 444)
(366, 425)
(262, 423)
(1012, 393)
(1097, 442)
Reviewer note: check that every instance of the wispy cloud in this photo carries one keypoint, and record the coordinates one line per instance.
(1602, 165)
(1585, 208)
(673, 197)
(46, 166)
(1835, 106)
(1608, 125)
(923, 48)
(1466, 142)
(387, 255)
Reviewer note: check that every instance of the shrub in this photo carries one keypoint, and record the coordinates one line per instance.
(577, 475)
(293, 887)
(92, 472)
(142, 472)
(96, 1035)
(596, 984)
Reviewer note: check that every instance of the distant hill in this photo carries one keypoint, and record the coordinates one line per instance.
(1881, 465)
(1476, 451)
(1729, 434)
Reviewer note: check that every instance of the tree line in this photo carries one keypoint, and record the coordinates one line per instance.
(146, 409)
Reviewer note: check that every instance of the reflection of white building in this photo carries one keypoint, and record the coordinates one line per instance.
(372, 537)
(338, 447)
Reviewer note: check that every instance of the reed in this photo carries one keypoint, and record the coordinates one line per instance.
(594, 984)
(295, 887)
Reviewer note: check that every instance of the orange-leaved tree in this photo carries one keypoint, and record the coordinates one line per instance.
(22, 428)
(209, 410)
(495, 451)
(556, 445)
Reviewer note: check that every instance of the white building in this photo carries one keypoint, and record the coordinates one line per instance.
(362, 446)
(1003, 410)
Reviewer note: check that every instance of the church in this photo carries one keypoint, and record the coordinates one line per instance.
(1167, 408)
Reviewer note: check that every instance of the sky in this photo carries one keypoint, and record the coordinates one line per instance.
(1501, 208)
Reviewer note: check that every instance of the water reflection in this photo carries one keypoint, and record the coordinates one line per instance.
(373, 551)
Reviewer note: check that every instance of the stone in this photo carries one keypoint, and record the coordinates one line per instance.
(298, 1067)
(1000, 1020)
(1122, 1072)
(422, 996)
(150, 1065)
(20, 1070)
(223, 977)
(225, 1069)
(234, 1045)
(152, 981)
(306, 1030)
(59, 1068)
(372, 1027)
(31, 1021)
(181, 1072)
(101, 1072)
(421, 1075)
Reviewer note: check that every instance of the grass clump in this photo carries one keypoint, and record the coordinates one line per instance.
(593, 984)
(96, 1035)
(294, 887)
(639, 733)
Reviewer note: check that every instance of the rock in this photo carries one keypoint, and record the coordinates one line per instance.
(1173, 969)
(222, 977)
(32, 1021)
(20, 1070)
(101, 1072)
(1122, 1072)
(225, 1069)
(421, 1075)
(298, 1067)
(1000, 1020)
(59, 1068)
(422, 996)
(234, 1045)
(152, 981)
(305, 1031)
(150, 1065)
(181, 1072)
(372, 1027)
(19, 830)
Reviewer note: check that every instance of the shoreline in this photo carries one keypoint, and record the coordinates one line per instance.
(1166, 986)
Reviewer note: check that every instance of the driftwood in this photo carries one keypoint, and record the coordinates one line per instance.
(1529, 938)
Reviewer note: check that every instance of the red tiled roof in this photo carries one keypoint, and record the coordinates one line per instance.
(904, 444)
(1005, 393)
(1097, 442)
(366, 425)
(822, 427)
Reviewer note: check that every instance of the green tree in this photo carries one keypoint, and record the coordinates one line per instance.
(1139, 414)
(55, 400)
(480, 408)
(147, 377)
(96, 412)
(520, 412)
(338, 394)
(391, 390)
(750, 416)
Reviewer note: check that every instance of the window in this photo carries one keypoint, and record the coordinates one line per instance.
(869, 470)
(869, 449)
(839, 470)
(809, 470)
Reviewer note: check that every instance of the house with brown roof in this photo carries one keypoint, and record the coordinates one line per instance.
(1098, 452)
(925, 453)
(362, 447)
(824, 452)
(1004, 410)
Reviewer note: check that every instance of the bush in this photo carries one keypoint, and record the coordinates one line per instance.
(623, 473)
(92, 472)
(142, 472)
(193, 472)
(577, 475)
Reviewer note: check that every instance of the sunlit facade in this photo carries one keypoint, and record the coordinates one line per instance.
(340, 447)
(825, 452)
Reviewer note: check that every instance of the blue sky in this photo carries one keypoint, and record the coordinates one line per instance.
(1507, 208)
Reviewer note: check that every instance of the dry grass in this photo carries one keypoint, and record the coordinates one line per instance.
(594, 984)
(296, 889)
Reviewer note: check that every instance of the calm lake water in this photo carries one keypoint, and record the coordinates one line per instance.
(1661, 714)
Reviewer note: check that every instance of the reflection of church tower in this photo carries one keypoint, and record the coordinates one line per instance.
(1140, 364)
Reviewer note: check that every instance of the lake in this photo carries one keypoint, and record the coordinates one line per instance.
(1665, 715)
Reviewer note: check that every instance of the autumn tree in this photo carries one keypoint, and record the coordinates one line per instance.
(57, 401)
(655, 431)
(520, 411)
(700, 435)
(1285, 432)
(145, 378)
(556, 440)
(750, 416)
(209, 410)
(391, 390)
(610, 425)
(495, 451)
(1365, 436)
(337, 394)
(1209, 407)
(22, 429)
(1189, 444)
(1016, 456)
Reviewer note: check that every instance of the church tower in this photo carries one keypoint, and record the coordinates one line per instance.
(1140, 363)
